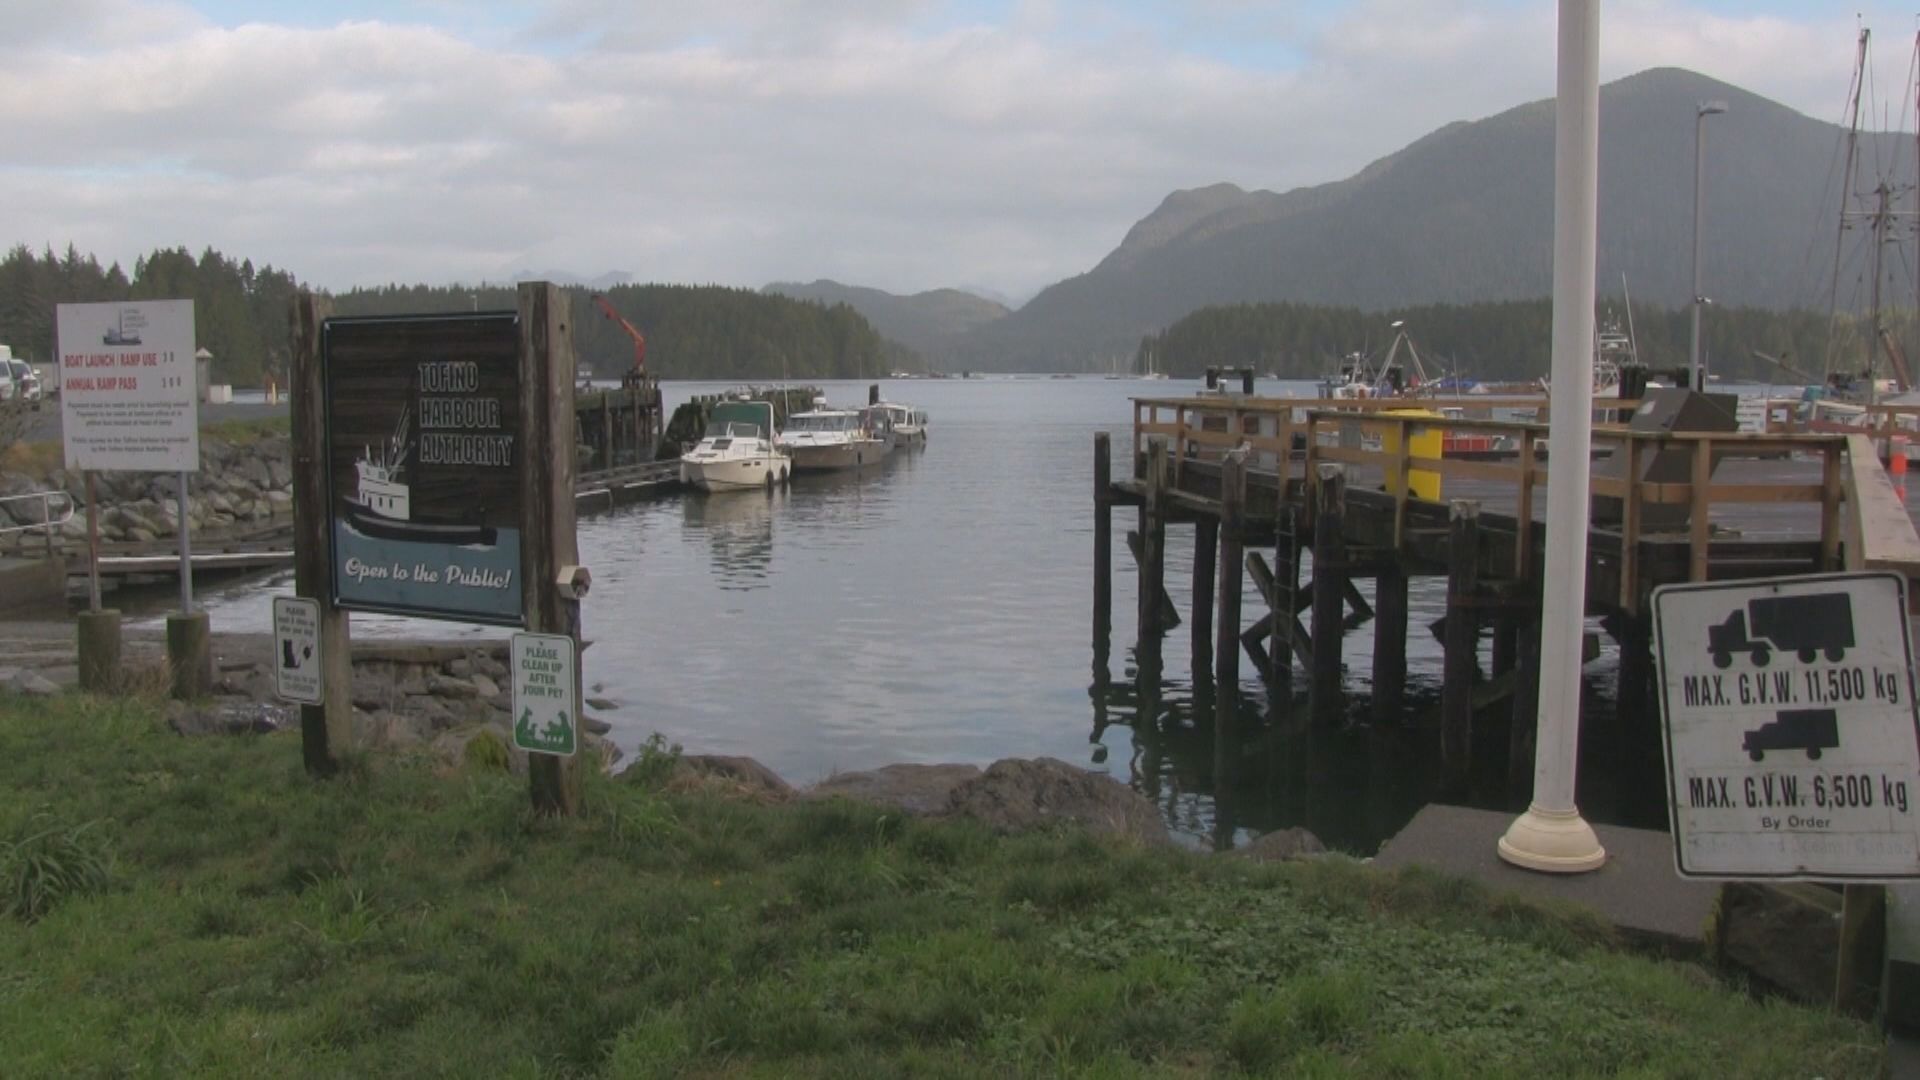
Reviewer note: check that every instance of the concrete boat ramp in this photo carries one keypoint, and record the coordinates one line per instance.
(1638, 890)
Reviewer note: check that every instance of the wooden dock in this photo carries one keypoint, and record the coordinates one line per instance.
(1278, 488)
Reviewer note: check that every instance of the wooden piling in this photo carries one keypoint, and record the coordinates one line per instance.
(190, 655)
(1329, 594)
(1506, 645)
(1286, 614)
(1206, 534)
(1102, 534)
(1153, 540)
(1233, 502)
(1461, 645)
(1389, 643)
(1633, 688)
(99, 638)
(1526, 707)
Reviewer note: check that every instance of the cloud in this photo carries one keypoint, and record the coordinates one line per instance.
(905, 144)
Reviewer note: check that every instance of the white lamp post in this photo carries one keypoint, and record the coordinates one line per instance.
(1551, 835)
(1696, 377)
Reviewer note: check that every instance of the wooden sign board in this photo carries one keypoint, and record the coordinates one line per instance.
(424, 448)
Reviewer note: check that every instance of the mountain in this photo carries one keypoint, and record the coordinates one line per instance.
(1465, 214)
(598, 283)
(928, 322)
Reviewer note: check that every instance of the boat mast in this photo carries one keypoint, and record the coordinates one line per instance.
(1846, 191)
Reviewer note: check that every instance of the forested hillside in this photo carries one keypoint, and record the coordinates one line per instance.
(1510, 340)
(239, 312)
(240, 315)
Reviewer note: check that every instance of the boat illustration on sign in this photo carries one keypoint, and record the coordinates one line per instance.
(120, 333)
(381, 505)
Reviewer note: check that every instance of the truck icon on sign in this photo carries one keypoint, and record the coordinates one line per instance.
(1812, 730)
(1808, 626)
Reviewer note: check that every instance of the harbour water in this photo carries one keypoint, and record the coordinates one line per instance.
(940, 610)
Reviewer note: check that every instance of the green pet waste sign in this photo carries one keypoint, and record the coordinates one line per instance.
(546, 705)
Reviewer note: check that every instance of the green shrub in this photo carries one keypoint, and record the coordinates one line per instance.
(655, 763)
(487, 752)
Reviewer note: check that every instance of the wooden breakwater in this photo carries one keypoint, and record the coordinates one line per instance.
(619, 427)
(690, 419)
(1307, 498)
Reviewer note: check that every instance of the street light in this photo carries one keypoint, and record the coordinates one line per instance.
(1695, 377)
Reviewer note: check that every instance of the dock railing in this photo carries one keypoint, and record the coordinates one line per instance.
(1832, 486)
(1526, 475)
(1271, 429)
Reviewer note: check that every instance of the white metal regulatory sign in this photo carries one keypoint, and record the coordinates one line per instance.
(1792, 739)
(129, 386)
(296, 650)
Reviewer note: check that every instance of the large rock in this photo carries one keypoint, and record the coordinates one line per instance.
(29, 683)
(450, 748)
(242, 718)
(1787, 935)
(1282, 845)
(448, 687)
(739, 775)
(1018, 794)
(915, 789)
(394, 730)
(254, 471)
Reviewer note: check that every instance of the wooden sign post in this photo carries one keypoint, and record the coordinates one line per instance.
(549, 548)
(434, 461)
(326, 729)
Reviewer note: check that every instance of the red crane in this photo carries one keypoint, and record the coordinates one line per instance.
(639, 339)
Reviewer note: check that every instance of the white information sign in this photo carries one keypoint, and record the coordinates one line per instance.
(129, 388)
(546, 705)
(296, 650)
(1792, 739)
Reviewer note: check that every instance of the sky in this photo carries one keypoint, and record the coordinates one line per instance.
(995, 145)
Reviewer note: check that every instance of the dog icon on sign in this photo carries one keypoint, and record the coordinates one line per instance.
(291, 661)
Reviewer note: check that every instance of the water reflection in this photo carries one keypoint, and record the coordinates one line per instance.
(1227, 765)
(738, 529)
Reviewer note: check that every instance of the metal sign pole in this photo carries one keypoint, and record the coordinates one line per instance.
(186, 550)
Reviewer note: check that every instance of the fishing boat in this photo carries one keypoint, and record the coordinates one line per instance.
(823, 439)
(739, 451)
(381, 504)
(1359, 379)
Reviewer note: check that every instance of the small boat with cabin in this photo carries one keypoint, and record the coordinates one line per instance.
(824, 439)
(908, 424)
(739, 451)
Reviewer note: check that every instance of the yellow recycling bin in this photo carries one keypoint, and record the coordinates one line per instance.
(1425, 444)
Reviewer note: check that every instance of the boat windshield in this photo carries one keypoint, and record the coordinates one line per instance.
(735, 429)
(822, 422)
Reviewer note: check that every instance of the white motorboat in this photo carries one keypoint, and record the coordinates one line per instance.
(823, 439)
(739, 450)
(908, 424)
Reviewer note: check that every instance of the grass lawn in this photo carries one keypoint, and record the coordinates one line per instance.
(403, 922)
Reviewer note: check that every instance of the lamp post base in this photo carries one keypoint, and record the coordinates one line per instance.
(1552, 841)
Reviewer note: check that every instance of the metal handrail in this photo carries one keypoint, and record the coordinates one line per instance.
(47, 520)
